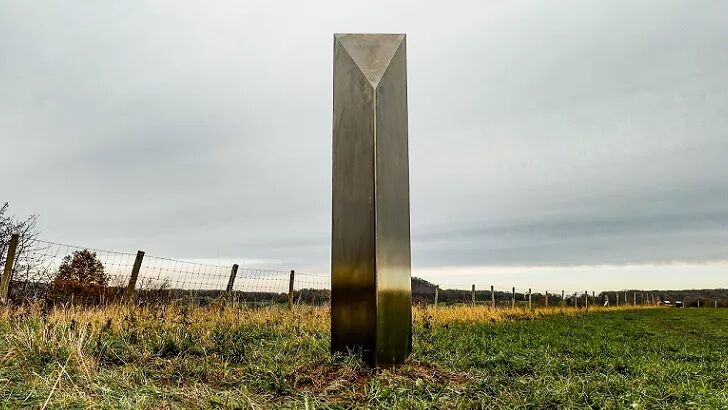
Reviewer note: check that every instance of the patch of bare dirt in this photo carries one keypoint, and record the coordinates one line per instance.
(347, 381)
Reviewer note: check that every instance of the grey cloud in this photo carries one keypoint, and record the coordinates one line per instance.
(540, 132)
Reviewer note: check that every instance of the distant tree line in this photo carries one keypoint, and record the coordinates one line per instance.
(423, 292)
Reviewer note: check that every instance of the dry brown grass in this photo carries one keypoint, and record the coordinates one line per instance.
(226, 355)
(481, 313)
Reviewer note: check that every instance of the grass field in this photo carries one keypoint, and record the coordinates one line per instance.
(227, 356)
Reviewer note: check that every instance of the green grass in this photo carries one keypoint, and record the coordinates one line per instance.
(228, 357)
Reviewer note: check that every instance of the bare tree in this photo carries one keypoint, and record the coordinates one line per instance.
(28, 233)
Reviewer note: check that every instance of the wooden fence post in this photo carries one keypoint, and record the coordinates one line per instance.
(231, 281)
(576, 300)
(492, 297)
(634, 298)
(530, 306)
(290, 290)
(513, 301)
(617, 302)
(8, 271)
(437, 293)
(715, 303)
(472, 295)
(586, 300)
(547, 298)
(134, 275)
(563, 300)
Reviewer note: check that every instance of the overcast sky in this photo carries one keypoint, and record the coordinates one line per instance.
(552, 144)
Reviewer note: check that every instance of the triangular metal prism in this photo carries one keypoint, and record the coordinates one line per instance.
(372, 53)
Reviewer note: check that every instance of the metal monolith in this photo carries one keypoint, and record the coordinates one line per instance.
(371, 296)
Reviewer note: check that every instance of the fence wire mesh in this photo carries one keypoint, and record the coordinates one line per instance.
(44, 269)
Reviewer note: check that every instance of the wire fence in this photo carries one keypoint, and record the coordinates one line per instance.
(50, 270)
(61, 272)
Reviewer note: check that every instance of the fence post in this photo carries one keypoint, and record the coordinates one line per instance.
(634, 298)
(492, 297)
(472, 295)
(586, 300)
(563, 300)
(617, 302)
(513, 301)
(576, 300)
(437, 293)
(8, 271)
(290, 290)
(529, 299)
(231, 281)
(547, 298)
(134, 275)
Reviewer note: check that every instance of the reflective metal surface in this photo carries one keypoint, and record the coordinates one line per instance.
(371, 298)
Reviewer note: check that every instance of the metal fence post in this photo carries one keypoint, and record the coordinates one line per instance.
(492, 297)
(290, 290)
(8, 271)
(134, 275)
(231, 281)
(437, 294)
(472, 295)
